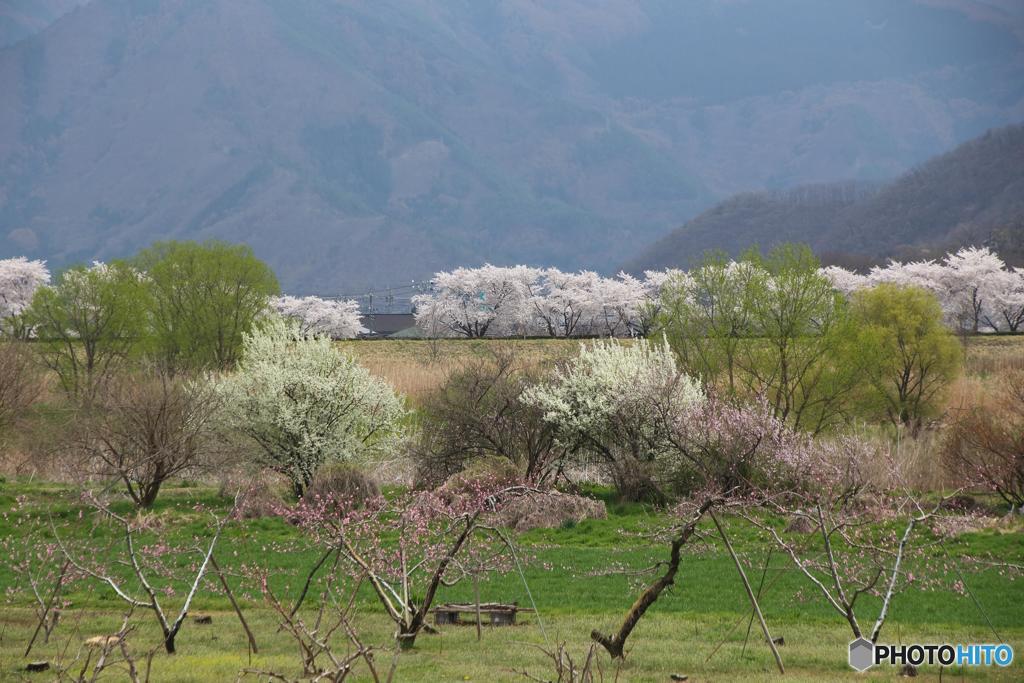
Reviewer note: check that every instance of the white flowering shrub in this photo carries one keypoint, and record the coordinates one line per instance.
(610, 402)
(302, 402)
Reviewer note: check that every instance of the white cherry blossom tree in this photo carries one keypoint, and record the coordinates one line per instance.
(1008, 301)
(971, 277)
(478, 302)
(564, 303)
(617, 303)
(928, 275)
(335, 319)
(19, 280)
(845, 281)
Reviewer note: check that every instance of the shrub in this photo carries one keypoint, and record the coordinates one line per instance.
(551, 510)
(478, 413)
(486, 472)
(340, 481)
(301, 402)
(19, 381)
(609, 403)
(985, 446)
(147, 428)
(729, 447)
(264, 496)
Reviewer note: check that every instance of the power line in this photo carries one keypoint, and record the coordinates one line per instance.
(387, 299)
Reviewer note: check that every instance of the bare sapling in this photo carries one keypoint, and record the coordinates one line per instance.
(567, 669)
(322, 659)
(432, 529)
(147, 563)
(46, 609)
(866, 533)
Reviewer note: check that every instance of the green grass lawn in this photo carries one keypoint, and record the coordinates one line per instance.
(567, 574)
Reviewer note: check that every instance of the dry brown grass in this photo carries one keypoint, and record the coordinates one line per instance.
(988, 356)
(987, 360)
(416, 367)
(920, 460)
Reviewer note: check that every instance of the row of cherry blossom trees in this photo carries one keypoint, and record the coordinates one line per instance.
(976, 289)
(978, 293)
(495, 301)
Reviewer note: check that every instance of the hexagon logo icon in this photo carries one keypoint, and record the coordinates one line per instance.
(862, 654)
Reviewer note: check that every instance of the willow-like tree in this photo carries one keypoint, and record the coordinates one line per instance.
(767, 326)
(914, 357)
(88, 323)
(204, 299)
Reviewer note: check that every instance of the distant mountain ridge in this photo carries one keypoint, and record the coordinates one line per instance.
(363, 143)
(973, 194)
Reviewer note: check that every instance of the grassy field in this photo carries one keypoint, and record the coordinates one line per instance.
(698, 629)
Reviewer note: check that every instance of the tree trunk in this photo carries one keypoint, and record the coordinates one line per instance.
(169, 642)
(148, 495)
(406, 637)
(614, 644)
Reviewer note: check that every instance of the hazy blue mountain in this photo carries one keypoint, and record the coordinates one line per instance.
(971, 195)
(20, 19)
(363, 142)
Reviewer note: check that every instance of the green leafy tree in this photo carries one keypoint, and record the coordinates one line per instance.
(89, 322)
(914, 356)
(302, 402)
(204, 299)
(803, 361)
(707, 316)
(768, 326)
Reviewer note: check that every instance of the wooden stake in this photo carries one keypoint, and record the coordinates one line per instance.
(750, 593)
(476, 589)
(238, 610)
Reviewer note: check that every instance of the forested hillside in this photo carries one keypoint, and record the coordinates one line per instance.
(367, 142)
(971, 195)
